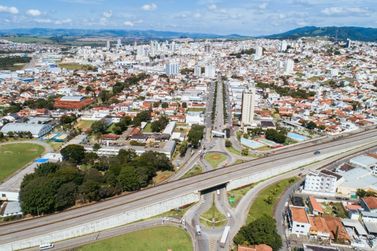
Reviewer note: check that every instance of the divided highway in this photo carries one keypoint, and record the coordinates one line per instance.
(14, 231)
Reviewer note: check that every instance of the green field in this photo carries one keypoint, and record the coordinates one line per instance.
(213, 217)
(73, 67)
(238, 193)
(148, 128)
(84, 124)
(194, 171)
(233, 150)
(16, 156)
(29, 39)
(267, 199)
(154, 239)
(215, 159)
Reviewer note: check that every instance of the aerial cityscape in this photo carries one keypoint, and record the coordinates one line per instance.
(202, 125)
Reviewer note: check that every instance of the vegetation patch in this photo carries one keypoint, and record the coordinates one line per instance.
(76, 67)
(156, 239)
(213, 217)
(215, 159)
(267, 199)
(16, 156)
(194, 171)
(236, 195)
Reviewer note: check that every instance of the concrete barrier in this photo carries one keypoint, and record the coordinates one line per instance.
(104, 223)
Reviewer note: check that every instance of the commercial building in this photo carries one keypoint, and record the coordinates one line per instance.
(72, 102)
(172, 68)
(321, 182)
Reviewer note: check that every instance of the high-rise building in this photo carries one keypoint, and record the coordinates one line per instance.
(119, 43)
(258, 53)
(172, 68)
(283, 46)
(108, 44)
(248, 104)
(197, 71)
(207, 48)
(210, 71)
(289, 66)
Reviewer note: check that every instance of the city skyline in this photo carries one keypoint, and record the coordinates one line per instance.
(206, 16)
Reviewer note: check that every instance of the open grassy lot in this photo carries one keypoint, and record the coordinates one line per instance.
(16, 156)
(267, 199)
(162, 176)
(84, 124)
(29, 39)
(237, 194)
(233, 150)
(213, 217)
(196, 109)
(335, 209)
(148, 128)
(194, 171)
(154, 239)
(215, 159)
(73, 67)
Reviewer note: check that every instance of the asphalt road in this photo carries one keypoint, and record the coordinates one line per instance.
(44, 225)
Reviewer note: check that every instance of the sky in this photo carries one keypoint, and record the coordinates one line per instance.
(245, 17)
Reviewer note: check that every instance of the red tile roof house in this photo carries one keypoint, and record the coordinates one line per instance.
(369, 204)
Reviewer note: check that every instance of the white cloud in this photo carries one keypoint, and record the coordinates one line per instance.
(34, 12)
(212, 7)
(330, 11)
(149, 7)
(8, 9)
(263, 6)
(107, 14)
(63, 21)
(129, 24)
(43, 20)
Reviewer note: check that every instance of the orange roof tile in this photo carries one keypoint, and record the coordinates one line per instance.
(371, 202)
(315, 205)
(299, 214)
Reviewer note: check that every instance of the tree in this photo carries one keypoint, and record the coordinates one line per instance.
(143, 116)
(65, 196)
(195, 135)
(311, 125)
(276, 136)
(260, 231)
(245, 151)
(89, 191)
(164, 105)
(184, 105)
(99, 127)
(129, 179)
(67, 119)
(46, 168)
(228, 143)
(96, 147)
(38, 196)
(183, 148)
(73, 153)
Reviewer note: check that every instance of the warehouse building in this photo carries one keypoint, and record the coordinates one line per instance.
(37, 130)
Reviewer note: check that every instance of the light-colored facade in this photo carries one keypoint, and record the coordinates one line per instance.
(248, 106)
(320, 183)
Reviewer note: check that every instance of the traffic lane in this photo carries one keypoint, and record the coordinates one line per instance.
(207, 182)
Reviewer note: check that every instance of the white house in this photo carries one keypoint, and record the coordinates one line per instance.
(298, 220)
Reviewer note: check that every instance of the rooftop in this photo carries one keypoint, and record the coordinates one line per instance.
(299, 214)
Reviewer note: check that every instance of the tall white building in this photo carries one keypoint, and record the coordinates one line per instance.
(119, 43)
(172, 68)
(258, 53)
(197, 71)
(108, 44)
(210, 71)
(283, 46)
(289, 66)
(248, 107)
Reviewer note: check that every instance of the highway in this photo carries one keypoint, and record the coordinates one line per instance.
(37, 226)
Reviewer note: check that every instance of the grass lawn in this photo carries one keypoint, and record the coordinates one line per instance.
(73, 67)
(194, 171)
(84, 124)
(16, 156)
(237, 194)
(162, 176)
(267, 199)
(148, 128)
(233, 150)
(56, 145)
(153, 239)
(196, 109)
(177, 213)
(213, 217)
(215, 159)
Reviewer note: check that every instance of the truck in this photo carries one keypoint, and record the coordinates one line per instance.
(224, 236)
(198, 229)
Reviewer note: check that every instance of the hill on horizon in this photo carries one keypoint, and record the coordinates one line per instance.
(341, 33)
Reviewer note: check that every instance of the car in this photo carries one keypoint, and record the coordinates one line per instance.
(46, 246)
(317, 152)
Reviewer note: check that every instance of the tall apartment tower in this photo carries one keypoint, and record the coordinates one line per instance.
(197, 70)
(283, 46)
(258, 53)
(289, 66)
(210, 71)
(108, 44)
(172, 68)
(248, 106)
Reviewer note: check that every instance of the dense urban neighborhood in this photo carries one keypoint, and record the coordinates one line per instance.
(241, 144)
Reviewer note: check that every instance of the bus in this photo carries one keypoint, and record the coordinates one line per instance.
(224, 236)
(198, 230)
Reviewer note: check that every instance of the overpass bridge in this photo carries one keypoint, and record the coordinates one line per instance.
(156, 200)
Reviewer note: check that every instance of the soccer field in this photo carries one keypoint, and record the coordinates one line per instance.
(16, 156)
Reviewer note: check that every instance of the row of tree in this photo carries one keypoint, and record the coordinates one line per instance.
(54, 187)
